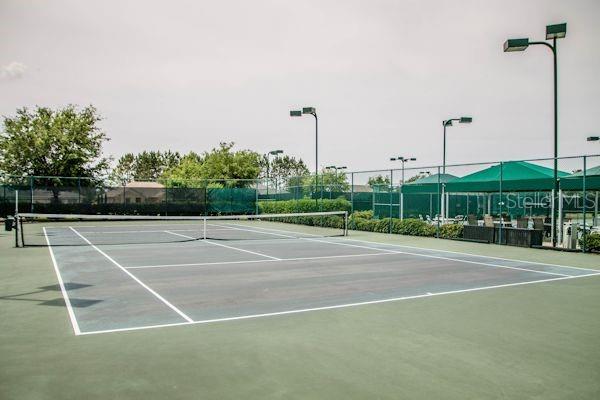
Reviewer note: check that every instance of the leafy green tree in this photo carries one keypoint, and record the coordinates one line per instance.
(416, 177)
(221, 166)
(285, 170)
(330, 181)
(125, 169)
(145, 166)
(378, 180)
(188, 173)
(44, 142)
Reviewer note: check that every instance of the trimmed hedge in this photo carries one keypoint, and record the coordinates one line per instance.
(591, 243)
(359, 220)
(451, 231)
(307, 206)
(303, 206)
(363, 221)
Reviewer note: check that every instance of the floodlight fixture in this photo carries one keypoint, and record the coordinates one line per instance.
(557, 31)
(516, 45)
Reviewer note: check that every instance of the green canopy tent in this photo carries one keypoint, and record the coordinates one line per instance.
(530, 184)
(575, 181)
(516, 176)
(427, 184)
(420, 197)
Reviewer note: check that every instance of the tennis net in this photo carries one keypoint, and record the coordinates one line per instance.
(79, 230)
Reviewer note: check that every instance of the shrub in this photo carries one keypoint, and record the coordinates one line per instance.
(363, 221)
(413, 227)
(363, 214)
(451, 231)
(591, 243)
(303, 206)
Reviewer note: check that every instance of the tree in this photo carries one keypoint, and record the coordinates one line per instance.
(417, 177)
(329, 181)
(284, 169)
(125, 169)
(221, 166)
(188, 173)
(145, 166)
(43, 142)
(378, 180)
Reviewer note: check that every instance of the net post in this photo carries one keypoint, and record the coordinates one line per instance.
(16, 218)
(204, 228)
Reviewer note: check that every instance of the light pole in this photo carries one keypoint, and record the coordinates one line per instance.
(403, 160)
(400, 194)
(446, 123)
(312, 111)
(553, 32)
(272, 152)
(336, 168)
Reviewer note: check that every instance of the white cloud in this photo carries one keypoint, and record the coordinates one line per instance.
(14, 70)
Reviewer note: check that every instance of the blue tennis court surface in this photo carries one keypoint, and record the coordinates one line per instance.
(176, 280)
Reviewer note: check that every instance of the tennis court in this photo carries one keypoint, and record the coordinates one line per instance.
(140, 274)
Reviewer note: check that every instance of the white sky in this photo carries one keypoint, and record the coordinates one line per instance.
(185, 75)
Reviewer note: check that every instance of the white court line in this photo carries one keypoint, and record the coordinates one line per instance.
(347, 305)
(150, 231)
(158, 296)
(443, 258)
(229, 247)
(444, 251)
(432, 256)
(261, 261)
(228, 227)
(62, 287)
(476, 255)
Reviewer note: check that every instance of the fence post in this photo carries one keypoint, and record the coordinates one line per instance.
(31, 193)
(391, 189)
(256, 196)
(437, 229)
(500, 202)
(351, 193)
(166, 198)
(584, 205)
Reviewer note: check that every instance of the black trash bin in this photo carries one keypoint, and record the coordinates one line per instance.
(8, 223)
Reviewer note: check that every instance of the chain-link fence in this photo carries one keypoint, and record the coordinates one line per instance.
(502, 197)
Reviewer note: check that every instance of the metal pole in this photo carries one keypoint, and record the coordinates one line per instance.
(391, 198)
(317, 156)
(437, 229)
(556, 185)
(444, 153)
(584, 205)
(352, 192)
(500, 204)
(256, 196)
(31, 193)
(16, 218)
(267, 181)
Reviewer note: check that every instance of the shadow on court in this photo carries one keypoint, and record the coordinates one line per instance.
(33, 296)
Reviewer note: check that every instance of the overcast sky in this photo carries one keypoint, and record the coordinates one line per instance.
(186, 75)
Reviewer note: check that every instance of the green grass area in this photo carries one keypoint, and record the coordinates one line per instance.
(534, 341)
